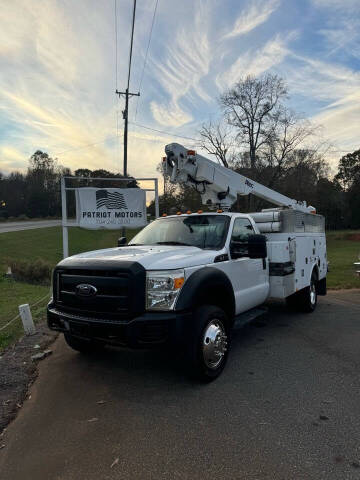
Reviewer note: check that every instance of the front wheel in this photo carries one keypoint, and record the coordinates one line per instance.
(209, 342)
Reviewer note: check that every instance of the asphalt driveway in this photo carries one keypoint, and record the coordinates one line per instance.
(286, 407)
(28, 225)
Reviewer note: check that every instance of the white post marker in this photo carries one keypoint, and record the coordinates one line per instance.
(27, 321)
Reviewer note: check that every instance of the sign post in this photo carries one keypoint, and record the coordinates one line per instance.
(106, 208)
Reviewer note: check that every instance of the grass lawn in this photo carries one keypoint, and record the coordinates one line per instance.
(46, 243)
(343, 249)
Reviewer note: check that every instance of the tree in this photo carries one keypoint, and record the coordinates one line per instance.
(287, 136)
(217, 139)
(349, 170)
(252, 108)
(42, 186)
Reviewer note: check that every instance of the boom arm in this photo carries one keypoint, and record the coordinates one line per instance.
(218, 185)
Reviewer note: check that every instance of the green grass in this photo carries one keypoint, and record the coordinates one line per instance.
(342, 253)
(46, 243)
(13, 294)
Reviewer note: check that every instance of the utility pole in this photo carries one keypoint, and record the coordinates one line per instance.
(125, 113)
(127, 95)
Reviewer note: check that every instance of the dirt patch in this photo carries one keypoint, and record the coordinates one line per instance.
(18, 371)
(353, 237)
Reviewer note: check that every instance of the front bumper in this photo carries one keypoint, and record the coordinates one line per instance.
(146, 330)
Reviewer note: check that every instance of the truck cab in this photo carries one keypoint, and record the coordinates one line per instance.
(184, 279)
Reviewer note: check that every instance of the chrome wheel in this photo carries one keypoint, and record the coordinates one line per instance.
(214, 343)
(312, 293)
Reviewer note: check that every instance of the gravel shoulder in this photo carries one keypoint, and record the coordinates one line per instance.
(18, 371)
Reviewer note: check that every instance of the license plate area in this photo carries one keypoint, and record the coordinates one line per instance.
(80, 329)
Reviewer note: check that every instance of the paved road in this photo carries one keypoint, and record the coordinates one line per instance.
(286, 407)
(28, 225)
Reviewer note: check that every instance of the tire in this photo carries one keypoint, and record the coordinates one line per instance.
(81, 345)
(310, 296)
(208, 343)
(306, 299)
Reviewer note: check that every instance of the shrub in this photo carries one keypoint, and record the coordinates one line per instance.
(37, 271)
(23, 217)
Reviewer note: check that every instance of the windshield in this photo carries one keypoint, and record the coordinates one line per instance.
(203, 231)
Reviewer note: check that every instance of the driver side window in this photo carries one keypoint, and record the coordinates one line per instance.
(241, 230)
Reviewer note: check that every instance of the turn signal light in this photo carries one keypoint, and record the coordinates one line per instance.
(200, 211)
(178, 213)
(164, 214)
(164, 159)
(178, 282)
(188, 212)
(219, 211)
(191, 153)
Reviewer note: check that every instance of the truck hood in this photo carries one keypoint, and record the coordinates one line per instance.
(154, 257)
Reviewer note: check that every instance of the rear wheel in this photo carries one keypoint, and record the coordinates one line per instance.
(306, 299)
(310, 296)
(82, 345)
(208, 343)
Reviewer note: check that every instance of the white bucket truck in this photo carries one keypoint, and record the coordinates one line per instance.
(189, 279)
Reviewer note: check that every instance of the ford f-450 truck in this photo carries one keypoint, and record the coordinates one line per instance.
(188, 279)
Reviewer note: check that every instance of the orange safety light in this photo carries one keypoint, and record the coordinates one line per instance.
(191, 153)
(200, 211)
(178, 213)
(164, 159)
(188, 212)
(219, 210)
(164, 214)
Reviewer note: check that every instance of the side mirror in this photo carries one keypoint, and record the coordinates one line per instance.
(257, 246)
(121, 242)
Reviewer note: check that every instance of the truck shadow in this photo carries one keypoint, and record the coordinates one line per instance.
(150, 369)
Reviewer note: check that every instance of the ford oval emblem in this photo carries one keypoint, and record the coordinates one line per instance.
(85, 290)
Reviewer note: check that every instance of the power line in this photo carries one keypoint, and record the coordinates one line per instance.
(131, 43)
(116, 44)
(146, 55)
(86, 146)
(116, 79)
(165, 133)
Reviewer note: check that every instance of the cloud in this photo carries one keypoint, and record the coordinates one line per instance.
(187, 61)
(254, 15)
(257, 62)
(338, 88)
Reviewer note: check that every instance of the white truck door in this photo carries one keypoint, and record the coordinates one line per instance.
(249, 277)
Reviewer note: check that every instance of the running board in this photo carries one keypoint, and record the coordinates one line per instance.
(249, 316)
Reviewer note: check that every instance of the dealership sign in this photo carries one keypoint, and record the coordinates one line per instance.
(110, 208)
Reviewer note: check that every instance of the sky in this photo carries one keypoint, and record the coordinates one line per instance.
(58, 73)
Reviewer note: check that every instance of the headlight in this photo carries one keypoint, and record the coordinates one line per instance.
(163, 288)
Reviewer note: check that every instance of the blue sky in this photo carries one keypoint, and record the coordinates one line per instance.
(57, 72)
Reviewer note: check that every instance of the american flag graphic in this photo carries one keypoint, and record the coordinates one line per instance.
(110, 200)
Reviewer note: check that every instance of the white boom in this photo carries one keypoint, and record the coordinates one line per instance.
(218, 185)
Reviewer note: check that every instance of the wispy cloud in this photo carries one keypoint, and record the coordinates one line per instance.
(257, 62)
(252, 16)
(187, 61)
(338, 88)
